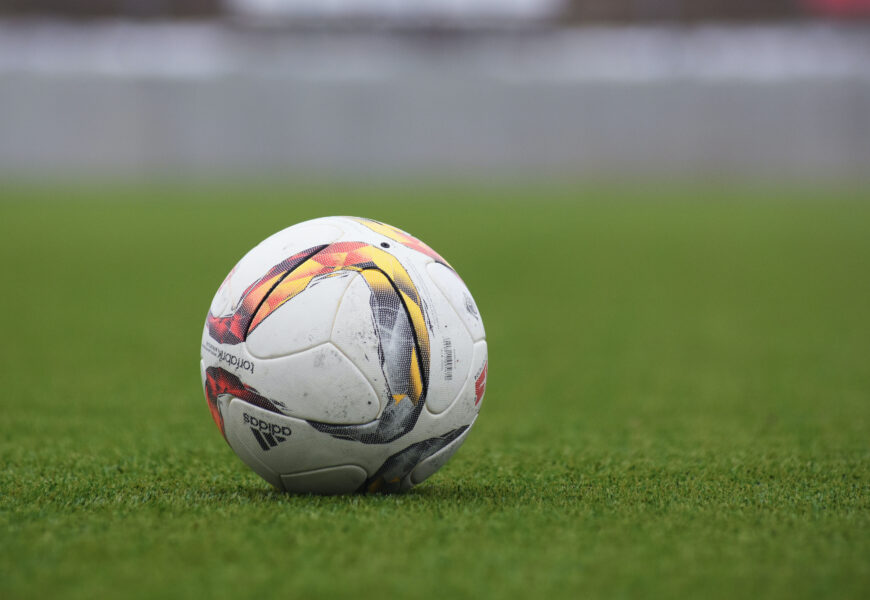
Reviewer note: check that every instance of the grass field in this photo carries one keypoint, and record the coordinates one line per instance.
(678, 401)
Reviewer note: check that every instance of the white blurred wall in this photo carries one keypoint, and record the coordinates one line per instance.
(118, 98)
(396, 11)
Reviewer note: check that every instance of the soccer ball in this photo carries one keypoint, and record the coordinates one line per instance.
(343, 354)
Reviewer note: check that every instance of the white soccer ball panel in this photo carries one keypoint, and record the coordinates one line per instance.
(355, 335)
(459, 297)
(319, 384)
(303, 321)
(302, 448)
(451, 351)
(236, 435)
(356, 230)
(342, 479)
(465, 406)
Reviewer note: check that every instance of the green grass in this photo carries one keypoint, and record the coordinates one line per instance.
(678, 400)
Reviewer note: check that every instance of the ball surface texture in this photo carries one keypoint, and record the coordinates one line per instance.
(342, 354)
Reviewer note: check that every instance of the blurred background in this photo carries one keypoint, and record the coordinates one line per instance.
(470, 88)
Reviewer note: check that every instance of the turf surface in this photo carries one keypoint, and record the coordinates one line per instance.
(678, 400)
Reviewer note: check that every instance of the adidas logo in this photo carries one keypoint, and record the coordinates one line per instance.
(268, 435)
(267, 440)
